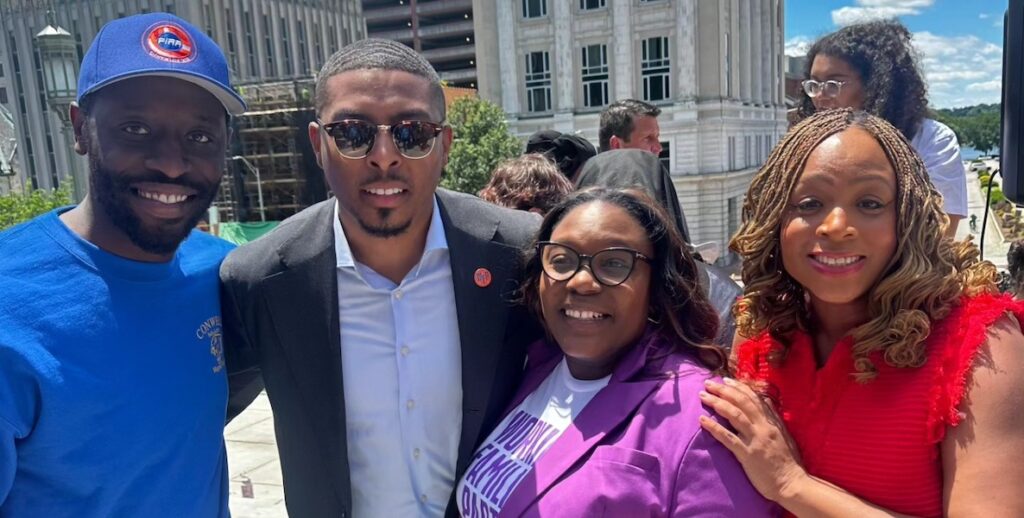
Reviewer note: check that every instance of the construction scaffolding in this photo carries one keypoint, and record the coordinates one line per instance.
(270, 158)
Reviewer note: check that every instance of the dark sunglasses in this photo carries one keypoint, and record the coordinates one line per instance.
(610, 267)
(354, 137)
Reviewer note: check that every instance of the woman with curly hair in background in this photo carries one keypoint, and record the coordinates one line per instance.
(872, 67)
(884, 347)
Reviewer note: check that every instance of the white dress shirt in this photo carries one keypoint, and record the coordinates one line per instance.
(402, 369)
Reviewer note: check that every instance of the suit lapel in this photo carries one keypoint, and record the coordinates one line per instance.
(482, 312)
(611, 408)
(302, 304)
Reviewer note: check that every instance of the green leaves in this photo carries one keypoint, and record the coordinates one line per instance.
(18, 207)
(482, 140)
(976, 126)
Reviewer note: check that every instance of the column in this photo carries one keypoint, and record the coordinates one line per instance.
(509, 62)
(562, 65)
(744, 51)
(686, 60)
(625, 71)
(757, 36)
(768, 56)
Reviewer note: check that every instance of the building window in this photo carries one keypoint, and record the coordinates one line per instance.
(250, 45)
(268, 40)
(78, 41)
(1, 69)
(748, 156)
(169, 8)
(333, 40)
(586, 5)
(229, 24)
(535, 8)
(654, 68)
(728, 66)
(731, 144)
(665, 157)
(732, 215)
(3, 95)
(318, 48)
(286, 45)
(538, 82)
(300, 33)
(208, 18)
(595, 75)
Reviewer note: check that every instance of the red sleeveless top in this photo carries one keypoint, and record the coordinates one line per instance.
(879, 440)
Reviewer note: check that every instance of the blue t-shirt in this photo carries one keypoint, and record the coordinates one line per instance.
(112, 382)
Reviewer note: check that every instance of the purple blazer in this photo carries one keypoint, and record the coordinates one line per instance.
(637, 449)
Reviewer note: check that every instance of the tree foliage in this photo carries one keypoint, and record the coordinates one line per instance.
(482, 140)
(18, 207)
(976, 126)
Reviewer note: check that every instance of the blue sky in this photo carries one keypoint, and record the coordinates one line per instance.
(960, 41)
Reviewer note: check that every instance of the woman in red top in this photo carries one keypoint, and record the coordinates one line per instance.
(896, 371)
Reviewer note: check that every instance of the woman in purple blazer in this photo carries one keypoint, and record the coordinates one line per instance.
(606, 421)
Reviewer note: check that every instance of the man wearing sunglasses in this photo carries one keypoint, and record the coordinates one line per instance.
(380, 320)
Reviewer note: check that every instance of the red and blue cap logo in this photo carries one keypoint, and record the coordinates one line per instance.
(169, 42)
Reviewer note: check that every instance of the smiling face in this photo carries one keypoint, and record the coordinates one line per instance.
(839, 234)
(383, 194)
(828, 68)
(593, 323)
(156, 155)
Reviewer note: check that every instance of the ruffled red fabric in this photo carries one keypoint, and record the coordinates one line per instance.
(879, 440)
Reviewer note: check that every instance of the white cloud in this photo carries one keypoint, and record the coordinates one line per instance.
(995, 85)
(984, 16)
(798, 45)
(864, 10)
(960, 70)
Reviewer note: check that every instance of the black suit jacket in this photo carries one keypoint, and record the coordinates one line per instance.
(281, 330)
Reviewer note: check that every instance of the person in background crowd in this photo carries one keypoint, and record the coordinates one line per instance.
(872, 67)
(605, 423)
(529, 182)
(630, 124)
(641, 169)
(890, 371)
(112, 379)
(568, 152)
(379, 320)
(1015, 263)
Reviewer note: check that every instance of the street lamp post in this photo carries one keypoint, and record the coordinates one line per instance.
(259, 187)
(60, 79)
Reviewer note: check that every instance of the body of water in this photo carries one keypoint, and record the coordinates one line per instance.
(969, 153)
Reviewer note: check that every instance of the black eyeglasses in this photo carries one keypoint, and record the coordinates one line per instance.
(610, 267)
(830, 88)
(354, 137)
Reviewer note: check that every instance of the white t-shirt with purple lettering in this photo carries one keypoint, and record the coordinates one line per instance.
(510, 452)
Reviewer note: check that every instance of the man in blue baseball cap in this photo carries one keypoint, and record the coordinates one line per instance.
(112, 379)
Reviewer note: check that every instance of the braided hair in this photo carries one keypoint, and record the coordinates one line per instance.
(922, 282)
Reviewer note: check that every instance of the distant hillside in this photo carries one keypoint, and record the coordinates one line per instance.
(968, 111)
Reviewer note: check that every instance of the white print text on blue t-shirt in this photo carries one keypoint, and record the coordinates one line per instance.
(499, 466)
(211, 330)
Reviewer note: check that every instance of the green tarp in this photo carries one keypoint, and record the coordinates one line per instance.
(239, 233)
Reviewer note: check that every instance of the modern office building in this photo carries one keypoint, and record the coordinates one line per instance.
(264, 40)
(714, 67)
(440, 30)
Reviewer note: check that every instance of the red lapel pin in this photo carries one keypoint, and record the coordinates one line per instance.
(482, 277)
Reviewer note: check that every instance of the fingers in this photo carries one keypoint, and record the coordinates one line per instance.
(723, 407)
(739, 395)
(725, 436)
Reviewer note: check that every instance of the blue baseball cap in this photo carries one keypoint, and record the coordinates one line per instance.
(157, 44)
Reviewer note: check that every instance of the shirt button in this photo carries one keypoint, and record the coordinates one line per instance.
(416, 453)
(409, 404)
(423, 497)
(404, 350)
(398, 294)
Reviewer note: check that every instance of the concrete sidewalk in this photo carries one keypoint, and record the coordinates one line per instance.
(995, 247)
(252, 457)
